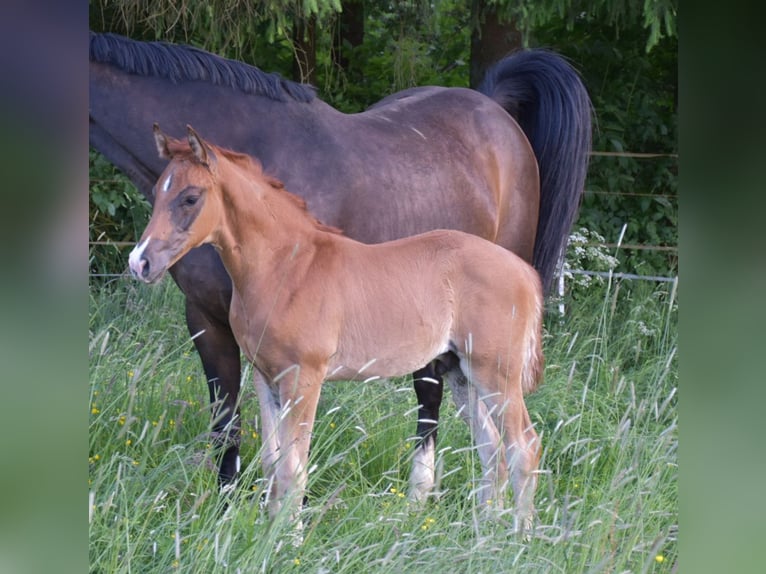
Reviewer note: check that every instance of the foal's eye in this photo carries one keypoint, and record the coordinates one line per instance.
(190, 200)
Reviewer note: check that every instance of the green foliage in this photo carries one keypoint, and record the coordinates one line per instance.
(222, 26)
(397, 55)
(118, 213)
(606, 412)
(656, 17)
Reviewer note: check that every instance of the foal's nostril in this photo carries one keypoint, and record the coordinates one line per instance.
(144, 268)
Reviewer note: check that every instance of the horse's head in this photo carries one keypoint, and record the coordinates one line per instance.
(186, 206)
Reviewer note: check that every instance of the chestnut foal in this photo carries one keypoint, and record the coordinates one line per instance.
(310, 304)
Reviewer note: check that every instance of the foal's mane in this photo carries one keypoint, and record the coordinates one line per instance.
(181, 150)
(179, 63)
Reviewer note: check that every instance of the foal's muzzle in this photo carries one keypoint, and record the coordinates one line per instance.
(140, 270)
(138, 264)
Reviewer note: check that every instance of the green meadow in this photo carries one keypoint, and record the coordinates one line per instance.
(607, 413)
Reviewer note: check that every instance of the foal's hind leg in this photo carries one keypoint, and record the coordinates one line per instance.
(521, 442)
(429, 389)
(491, 490)
(523, 453)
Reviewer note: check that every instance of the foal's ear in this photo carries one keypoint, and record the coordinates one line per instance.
(201, 150)
(162, 142)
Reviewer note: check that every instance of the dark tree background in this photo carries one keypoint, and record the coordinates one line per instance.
(358, 51)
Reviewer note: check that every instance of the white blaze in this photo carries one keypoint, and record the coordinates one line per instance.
(166, 185)
(135, 255)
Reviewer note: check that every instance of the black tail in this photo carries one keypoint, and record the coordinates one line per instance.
(546, 97)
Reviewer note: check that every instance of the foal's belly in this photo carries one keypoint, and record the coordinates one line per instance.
(381, 356)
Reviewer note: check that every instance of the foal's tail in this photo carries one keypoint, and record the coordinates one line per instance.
(545, 95)
(533, 361)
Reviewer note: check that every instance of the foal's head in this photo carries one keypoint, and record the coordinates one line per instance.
(187, 205)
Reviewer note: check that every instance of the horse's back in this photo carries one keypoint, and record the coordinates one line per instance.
(436, 158)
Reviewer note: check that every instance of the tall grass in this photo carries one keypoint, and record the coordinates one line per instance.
(607, 413)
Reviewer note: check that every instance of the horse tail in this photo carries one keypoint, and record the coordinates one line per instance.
(546, 96)
(533, 360)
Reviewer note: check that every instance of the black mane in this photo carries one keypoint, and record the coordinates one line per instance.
(179, 63)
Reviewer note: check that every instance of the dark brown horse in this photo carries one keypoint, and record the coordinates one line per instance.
(311, 305)
(426, 158)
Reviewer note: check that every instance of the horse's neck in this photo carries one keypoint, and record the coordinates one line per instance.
(264, 232)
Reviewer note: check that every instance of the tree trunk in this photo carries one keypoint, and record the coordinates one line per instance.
(350, 32)
(491, 39)
(305, 49)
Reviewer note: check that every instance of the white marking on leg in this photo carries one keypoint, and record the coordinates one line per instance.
(423, 470)
(135, 256)
(239, 463)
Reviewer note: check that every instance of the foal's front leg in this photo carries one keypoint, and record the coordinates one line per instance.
(268, 397)
(288, 410)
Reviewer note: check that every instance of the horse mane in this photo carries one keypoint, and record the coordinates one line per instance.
(179, 63)
(180, 149)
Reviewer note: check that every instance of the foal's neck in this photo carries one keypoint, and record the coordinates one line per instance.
(265, 229)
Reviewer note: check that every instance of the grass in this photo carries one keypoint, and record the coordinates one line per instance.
(607, 414)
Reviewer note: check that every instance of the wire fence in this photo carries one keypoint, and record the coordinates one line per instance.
(606, 274)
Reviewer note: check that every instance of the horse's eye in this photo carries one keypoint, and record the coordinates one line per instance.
(190, 200)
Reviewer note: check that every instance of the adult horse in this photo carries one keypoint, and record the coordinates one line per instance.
(506, 163)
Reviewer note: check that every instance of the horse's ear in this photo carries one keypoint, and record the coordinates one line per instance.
(198, 146)
(162, 142)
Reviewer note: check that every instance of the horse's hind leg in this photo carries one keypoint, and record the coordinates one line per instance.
(473, 409)
(429, 389)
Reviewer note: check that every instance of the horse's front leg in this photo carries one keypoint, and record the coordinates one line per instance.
(220, 357)
(202, 278)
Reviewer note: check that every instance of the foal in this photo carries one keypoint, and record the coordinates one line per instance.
(310, 305)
